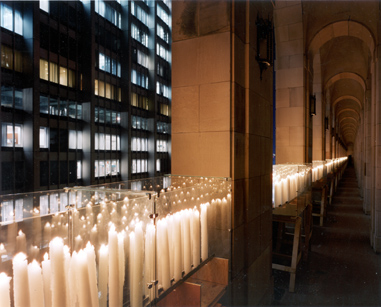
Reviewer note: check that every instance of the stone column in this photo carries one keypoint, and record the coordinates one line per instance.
(291, 131)
(222, 126)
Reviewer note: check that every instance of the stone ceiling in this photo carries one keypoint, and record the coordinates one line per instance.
(342, 34)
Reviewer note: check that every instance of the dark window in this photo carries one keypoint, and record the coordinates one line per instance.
(53, 172)
(7, 176)
(63, 172)
(72, 171)
(64, 140)
(54, 38)
(19, 175)
(53, 134)
(44, 173)
(44, 36)
(63, 45)
(7, 96)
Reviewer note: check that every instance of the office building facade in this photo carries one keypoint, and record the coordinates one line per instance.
(85, 92)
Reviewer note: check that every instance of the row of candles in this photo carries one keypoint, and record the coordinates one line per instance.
(291, 179)
(179, 240)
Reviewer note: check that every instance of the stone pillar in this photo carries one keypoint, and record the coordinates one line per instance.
(318, 129)
(367, 173)
(222, 126)
(376, 157)
(291, 132)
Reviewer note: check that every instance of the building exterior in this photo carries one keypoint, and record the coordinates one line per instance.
(85, 92)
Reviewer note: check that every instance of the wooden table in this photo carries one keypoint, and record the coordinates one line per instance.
(296, 213)
(319, 199)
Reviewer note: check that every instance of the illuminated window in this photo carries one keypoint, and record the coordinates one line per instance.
(18, 23)
(6, 17)
(44, 137)
(7, 212)
(139, 35)
(163, 15)
(109, 13)
(44, 5)
(63, 76)
(79, 169)
(75, 139)
(44, 70)
(161, 146)
(53, 73)
(12, 135)
(6, 57)
(71, 75)
(158, 165)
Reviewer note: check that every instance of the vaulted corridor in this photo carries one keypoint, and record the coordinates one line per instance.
(342, 269)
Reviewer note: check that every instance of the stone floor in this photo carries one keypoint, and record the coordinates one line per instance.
(342, 269)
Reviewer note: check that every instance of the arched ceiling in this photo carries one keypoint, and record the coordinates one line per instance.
(340, 33)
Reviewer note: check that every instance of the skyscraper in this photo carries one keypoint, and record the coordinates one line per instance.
(85, 92)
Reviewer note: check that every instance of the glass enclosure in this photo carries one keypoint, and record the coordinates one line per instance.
(124, 244)
(290, 181)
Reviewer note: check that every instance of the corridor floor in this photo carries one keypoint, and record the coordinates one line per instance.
(342, 269)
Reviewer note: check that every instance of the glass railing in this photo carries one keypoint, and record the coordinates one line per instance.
(111, 245)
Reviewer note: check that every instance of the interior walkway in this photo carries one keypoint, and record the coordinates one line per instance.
(342, 269)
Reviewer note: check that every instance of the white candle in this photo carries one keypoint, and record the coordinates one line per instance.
(204, 232)
(113, 268)
(122, 264)
(136, 264)
(149, 262)
(196, 247)
(78, 243)
(74, 286)
(58, 282)
(21, 242)
(35, 284)
(278, 194)
(3, 252)
(84, 293)
(185, 231)
(5, 297)
(163, 251)
(103, 275)
(20, 281)
(177, 247)
(47, 233)
(91, 266)
(46, 275)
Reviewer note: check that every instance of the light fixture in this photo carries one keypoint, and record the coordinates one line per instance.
(264, 44)
(312, 105)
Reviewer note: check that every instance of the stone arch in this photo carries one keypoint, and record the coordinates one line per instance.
(350, 97)
(346, 75)
(342, 28)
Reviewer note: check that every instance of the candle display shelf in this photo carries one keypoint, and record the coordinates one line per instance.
(290, 183)
(122, 244)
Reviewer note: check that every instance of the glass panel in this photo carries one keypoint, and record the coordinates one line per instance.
(54, 106)
(18, 136)
(18, 23)
(53, 73)
(44, 138)
(44, 70)
(7, 96)
(63, 108)
(6, 57)
(6, 17)
(63, 76)
(18, 99)
(44, 104)
(72, 109)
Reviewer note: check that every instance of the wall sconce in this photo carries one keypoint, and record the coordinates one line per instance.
(265, 55)
(326, 123)
(312, 105)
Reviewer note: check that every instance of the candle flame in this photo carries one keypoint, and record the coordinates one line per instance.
(2, 247)
(103, 249)
(20, 232)
(46, 256)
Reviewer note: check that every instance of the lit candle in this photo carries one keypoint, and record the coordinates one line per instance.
(177, 246)
(149, 262)
(164, 253)
(122, 264)
(113, 268)
(5, 297)
(204, 232)
(47, 278)
(3, 252)
(78, 243)
(91, 266)
(185, 231)
(35, 284)
(84, 294)
(136, 263)
(21, 242)
(34, 253)
(47, 233)
(196, 247)
(20, 281)
(103, 275)
(58, 283)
